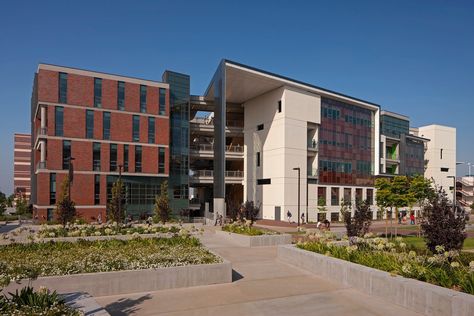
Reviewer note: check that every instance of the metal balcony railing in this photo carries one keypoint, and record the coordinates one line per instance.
(41, 165)
(210, 122)
(210, 147)
(313, 172)
(312, 144)
(210, 173)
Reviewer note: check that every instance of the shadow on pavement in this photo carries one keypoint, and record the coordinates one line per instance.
(236, 276)
(126, 306)
(8, 227)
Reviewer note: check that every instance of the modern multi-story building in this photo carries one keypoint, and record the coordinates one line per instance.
(22, 165)
(104, 124)
(248, 137)
(465, 191)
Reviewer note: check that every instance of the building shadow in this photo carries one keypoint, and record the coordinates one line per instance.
(126, 306)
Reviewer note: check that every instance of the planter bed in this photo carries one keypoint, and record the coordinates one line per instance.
(113, 266)
(421, 297)
(255, 241)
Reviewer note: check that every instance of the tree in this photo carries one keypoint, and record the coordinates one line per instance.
(321, 207)
(384, 198)
(250, 211)
(10, 200)
(421, 189)
(441, 226)
(162, 203)
(359, 224)
(115, 208)
(65, 207)
(21, 205)
(3, 203)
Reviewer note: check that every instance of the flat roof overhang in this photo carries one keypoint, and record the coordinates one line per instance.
(244, 83)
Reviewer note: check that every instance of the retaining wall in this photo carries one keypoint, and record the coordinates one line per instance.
(421, 297)
(133, 281)
(255, 241)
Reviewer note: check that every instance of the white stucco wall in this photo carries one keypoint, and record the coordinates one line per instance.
(441, 138)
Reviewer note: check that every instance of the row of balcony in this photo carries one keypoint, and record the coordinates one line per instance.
(210, 147)
(210, 173)
(210, 122)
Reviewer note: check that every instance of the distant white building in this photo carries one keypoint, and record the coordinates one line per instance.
(440, 156)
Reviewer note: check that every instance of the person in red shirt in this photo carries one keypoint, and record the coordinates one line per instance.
(412, 219)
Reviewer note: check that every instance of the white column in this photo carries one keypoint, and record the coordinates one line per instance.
(43, 150)
(43, 116)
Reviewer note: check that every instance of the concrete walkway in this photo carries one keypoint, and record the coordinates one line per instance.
(262, 286)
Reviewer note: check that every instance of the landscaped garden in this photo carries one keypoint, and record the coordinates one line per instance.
(20, 261)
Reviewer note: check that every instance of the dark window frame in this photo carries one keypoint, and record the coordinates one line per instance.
(260, 127)
(258, 159)
(89, 124)
(125, 157)
(279, 106)
(52, 188)
(66, 153)
(106, 118)
(113, 157)
(96, 156)
(97, 92)
(96, 189)
(143, 93)
(264, 181)
(135, 128)
(59, 121)
(121, 95)
(62, 87)
(151, 130)
(138, 158)
(161, 159)
(162, 101)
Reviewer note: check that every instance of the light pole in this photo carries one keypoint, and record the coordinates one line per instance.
(120, 191)
(469, 165)
(454, 193)
(71, 176)
(299, 176)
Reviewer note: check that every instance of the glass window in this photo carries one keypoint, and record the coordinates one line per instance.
(96, 156)
(151, 130)
(258, 159)
(89, 124)
(106, 125)
(370, 196)
(142, 98)
(358, 195)
(59, 121)
(52, 188)
(113, 157)
(62, 87)
(97, 92)
(162, 101)
(125, 158)
(136, 128)
(279, 106)
(138, 158)
(321, 196)
(347, 195)
(161, 160)
(66, 154)
(96, 189)
(334, 196)
(121, 95)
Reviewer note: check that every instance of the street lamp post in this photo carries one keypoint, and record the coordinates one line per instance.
(469, 165)
(120, 193)
(454, 193)
(71, 176)
(299, 176)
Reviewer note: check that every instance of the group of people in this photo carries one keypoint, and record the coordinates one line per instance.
(322, 225)
(289, 216)
(402, 217)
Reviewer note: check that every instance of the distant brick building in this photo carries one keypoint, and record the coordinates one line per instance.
(22, 165)
(104, 122)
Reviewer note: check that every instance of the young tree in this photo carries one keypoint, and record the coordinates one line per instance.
(65, 207)
(321, 207)
(250, 211)
(441, 226)
(21, 205)
(3, 203)
(162, 203)
(115, 208)
(359, 224)
(384, 199)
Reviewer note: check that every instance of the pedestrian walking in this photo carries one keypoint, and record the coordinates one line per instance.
(412, 219)
(288, 215)
(302, 218)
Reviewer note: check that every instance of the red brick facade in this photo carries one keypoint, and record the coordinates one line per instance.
(80, 98)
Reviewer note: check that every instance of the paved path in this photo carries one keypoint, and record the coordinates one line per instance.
(262, 286)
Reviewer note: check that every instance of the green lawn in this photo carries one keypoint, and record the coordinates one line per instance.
(418, 242)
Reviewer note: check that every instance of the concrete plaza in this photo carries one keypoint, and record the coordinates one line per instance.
(262, 286)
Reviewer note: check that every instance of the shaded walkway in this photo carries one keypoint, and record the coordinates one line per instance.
(262, 286)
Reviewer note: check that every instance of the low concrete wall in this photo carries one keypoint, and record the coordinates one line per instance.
(133, 281)
(421, 297)
(255, 241)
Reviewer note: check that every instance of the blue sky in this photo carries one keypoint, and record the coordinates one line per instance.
(412, 57)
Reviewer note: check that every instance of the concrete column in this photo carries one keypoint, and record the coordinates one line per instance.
(43, 150)
(219, 139)
(43, 117)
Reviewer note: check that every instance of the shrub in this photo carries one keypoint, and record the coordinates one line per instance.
(245, 229)
(27, 301)
(115, 208)
(250, 211)
(441, 226)
(65, 207)
(359, 224)
(162, 204)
